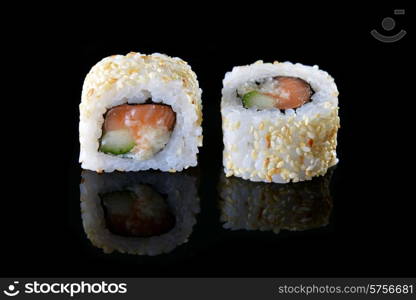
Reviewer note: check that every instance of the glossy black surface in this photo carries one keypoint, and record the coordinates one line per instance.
(372, 220)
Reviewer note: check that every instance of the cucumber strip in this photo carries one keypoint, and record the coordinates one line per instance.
(117, 142)
(258, 100)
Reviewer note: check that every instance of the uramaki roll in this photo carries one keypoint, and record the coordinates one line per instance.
(140, 112)
(280, 122)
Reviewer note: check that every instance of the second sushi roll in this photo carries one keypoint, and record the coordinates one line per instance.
(280, 122)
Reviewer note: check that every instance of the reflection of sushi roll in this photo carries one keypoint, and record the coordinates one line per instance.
(261, 206)
(146, 213)
(280, 122)
(140, 112)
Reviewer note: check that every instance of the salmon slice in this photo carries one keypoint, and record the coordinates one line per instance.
(136, 117)
(291, 92)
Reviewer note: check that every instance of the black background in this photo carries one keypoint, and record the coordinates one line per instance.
(372, 224)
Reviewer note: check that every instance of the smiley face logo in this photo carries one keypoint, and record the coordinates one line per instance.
(388, 24)
(11, 289)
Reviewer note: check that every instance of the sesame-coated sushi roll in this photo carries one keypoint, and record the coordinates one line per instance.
(140, 112)
(280, 122)
(144, 213)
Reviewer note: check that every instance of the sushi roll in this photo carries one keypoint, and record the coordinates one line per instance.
(143, 213)
(274, 207)
(140, 112)
(280, 122)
